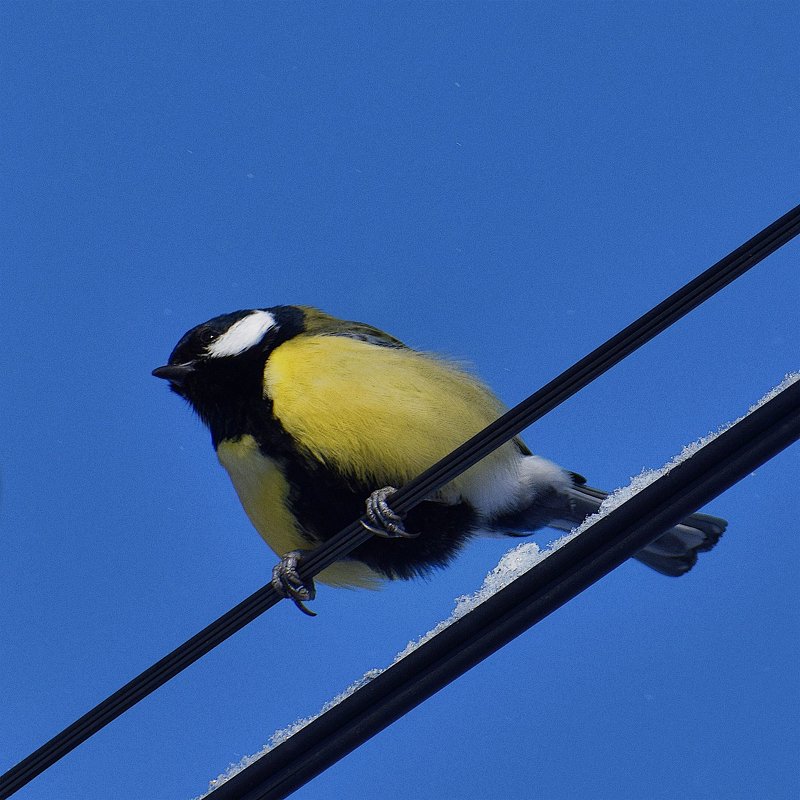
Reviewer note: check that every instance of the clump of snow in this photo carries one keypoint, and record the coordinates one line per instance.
(647, 476)
(283, 734)
(514, 563)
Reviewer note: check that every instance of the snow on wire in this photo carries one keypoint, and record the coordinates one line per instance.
(511, 566)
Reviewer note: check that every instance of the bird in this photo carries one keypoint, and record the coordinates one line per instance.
(317, 420)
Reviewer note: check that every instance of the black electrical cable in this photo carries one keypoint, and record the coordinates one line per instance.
(559, 389)
(527, 600)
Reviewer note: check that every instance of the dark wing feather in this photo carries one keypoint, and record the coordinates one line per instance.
(319, 323)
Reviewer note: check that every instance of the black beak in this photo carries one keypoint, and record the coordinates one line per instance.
(174, 373)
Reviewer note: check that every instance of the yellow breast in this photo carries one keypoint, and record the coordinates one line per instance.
(380, 414)
(263, 493)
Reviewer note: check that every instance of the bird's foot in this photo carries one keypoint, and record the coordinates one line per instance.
(287, 582)
(383, 520)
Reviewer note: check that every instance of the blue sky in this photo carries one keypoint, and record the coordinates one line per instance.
(508, 184)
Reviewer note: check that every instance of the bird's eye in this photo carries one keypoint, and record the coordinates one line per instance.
(207, 336)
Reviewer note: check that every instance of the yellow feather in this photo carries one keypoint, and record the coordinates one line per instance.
(263, 492)
(380, 414)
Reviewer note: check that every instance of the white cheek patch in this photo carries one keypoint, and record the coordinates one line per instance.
(242, 335)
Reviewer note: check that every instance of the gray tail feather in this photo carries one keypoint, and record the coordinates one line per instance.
(674, 553)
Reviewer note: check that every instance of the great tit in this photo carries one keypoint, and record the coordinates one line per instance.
(316, 418)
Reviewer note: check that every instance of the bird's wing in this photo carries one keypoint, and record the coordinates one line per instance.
(318, 322)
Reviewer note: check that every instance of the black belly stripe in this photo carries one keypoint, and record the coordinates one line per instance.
(324, 502)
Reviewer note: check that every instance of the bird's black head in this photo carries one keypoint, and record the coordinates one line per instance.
(218, 366)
